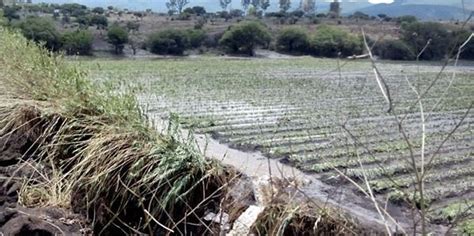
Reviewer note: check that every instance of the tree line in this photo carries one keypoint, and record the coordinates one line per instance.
(241, 38)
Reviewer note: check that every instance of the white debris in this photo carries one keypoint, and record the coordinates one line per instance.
(245, 221)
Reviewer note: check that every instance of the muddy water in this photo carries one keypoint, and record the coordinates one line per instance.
(256, 165)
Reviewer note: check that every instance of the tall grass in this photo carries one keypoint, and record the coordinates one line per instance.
(106, 160)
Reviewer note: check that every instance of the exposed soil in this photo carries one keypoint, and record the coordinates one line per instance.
(16, 219)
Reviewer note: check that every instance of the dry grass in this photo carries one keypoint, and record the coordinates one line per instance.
(100, 155)
(301, 219)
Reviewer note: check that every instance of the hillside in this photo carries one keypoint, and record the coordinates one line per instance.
(422, 11)
(347, 6)
(210, 5)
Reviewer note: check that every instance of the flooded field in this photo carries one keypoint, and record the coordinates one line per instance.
(327, 118)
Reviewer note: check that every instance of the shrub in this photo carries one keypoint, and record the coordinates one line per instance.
(196, 10)
(99, 20)
(195, 38)
(417, 35)
(394, 50)
(118, 37)
(223, 15)
(139, 14)
(77, 42)
(3, 20)
(244, 37)
(199, 24)
(330, 42)
(74, 9)
(189, 11)
(407, 18)
(468, 50)
(236, 13)
(133, 26)
(98, 10)
(169, 41)
(199, 10)
(277, 14)
(297, 13)
(359, 15)
(184, 16)
(11, 12)
(292, 40)
(83, 20)
(41, 30)
(212, 39)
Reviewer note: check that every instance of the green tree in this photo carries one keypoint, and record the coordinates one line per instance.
(98, 10)
(83, 20)
(41, 30)
(176, 5)
(430, 34)
(224, 4)
(333, 42)
(118, 37)
(195, 37)
(467, 51)
(199, 10)
(169, 41)
(292, 40)
(77, 42)
(264, 4)
(285, 5)
(236, 13)
(394, 50)
(74, 9)
(245, 37)
(3, 20)
(246, 4)
(133, 26)
(100, 21)
(309, 6)
(334, 9)
(11, 13)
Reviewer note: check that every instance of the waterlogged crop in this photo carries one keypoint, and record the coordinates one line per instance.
(323, 116)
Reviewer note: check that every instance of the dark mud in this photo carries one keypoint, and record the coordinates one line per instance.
(16, 219)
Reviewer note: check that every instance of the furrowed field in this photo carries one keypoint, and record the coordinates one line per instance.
(326, 117)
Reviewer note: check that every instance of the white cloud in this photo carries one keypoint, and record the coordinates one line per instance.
(380, 1)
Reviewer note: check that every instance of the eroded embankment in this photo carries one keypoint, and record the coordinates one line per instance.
(76, 158)
(17, 165)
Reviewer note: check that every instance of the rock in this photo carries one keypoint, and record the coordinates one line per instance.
(244, 223)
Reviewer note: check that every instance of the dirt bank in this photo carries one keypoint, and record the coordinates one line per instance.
(16, 164)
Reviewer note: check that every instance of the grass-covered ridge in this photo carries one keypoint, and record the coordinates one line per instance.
(103, 157)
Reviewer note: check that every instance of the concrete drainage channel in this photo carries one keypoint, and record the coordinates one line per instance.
(263, 172)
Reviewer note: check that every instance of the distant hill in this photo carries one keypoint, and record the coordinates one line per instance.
(422, 11)
(401, 7)
(210, 5)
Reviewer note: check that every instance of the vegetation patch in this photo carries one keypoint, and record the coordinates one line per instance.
(82, 158)
(100, 157)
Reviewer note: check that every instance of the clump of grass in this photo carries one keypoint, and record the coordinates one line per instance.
(104, 157)
(288, 219)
